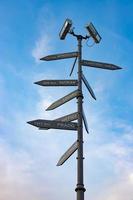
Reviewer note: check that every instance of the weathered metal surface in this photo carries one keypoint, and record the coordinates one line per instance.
(68, 153)
(66, 118)
(63, 100)
(100, 65)
(88, 86)
(40, 123)
(57, 83)
(85, 122)
(80, 182)
(60, 56)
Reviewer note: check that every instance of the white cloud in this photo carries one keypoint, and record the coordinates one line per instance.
(16, 179)
(45, 26)
(108, 158)
(131, 177)
(42, 47)
(117, 191)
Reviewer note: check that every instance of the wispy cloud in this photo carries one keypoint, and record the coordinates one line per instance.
(118, 191)
(45, 23)
(115, 156)
(42, 47)
(16, 180)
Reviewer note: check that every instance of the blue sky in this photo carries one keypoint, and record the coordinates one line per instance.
(28, 157)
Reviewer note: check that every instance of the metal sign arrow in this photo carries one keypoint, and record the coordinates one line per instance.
(100, 65)
(40, 123)
(68, 153)
(60, 56)
(88, 86)
(57, 83)
(66, 118)
(63, 100)
(85, 122)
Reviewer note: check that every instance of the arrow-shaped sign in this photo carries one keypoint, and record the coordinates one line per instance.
(66, 118)
(40, 123)
(60, 56)
(57, 83)
(88, 86)
(68, 153)
(63, 100)
(85, 122)
(100, 65)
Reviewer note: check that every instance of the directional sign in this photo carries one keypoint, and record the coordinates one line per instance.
(57, 83)
(60, 56)
(40, 123)
(88, 86)
(85, 122)
(63, 100)
(100, 65)
(68, 153)
(66, 118)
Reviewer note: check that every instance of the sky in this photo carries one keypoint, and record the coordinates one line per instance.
(29, 29)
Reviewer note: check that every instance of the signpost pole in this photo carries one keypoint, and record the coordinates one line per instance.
(80, 185)
(65, 122)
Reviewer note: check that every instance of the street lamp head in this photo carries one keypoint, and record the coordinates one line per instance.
(93, 32)
(65, 29)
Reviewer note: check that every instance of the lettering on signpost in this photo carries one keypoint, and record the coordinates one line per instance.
(40, 123)
(66, 118)
(57, 83)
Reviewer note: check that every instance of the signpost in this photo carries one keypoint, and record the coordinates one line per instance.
(65, 122)
(66, 118)
(100, 65)
(60, 56)
(88, 87)
(41, 123)
(63, 100)
(68, 153)
(85, 122)
(57, 83)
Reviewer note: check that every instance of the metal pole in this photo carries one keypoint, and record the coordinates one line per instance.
(80, 181)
